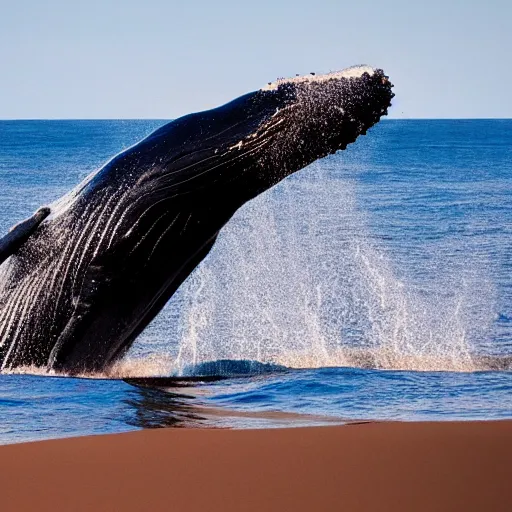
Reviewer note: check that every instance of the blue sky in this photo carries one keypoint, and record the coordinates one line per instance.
(162, 59)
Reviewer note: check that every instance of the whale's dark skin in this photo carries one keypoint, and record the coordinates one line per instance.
(80, 281)
(20, 233)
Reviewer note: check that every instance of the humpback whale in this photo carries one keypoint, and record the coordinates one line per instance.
(82, 278)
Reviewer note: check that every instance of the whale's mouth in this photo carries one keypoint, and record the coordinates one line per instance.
(351, 72)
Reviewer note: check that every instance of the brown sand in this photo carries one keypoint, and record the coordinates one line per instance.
(376, 467)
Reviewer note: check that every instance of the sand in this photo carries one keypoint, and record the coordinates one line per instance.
(374, 467)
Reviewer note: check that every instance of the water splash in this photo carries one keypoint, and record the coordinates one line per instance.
(297, 279)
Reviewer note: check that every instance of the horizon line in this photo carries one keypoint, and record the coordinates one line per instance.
(173, 118)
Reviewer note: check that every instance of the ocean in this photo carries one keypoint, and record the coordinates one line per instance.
(374, 284)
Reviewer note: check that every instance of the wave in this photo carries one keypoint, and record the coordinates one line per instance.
(164, 367)
(360, 359)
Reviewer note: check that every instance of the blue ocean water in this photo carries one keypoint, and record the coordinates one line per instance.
(376, 283)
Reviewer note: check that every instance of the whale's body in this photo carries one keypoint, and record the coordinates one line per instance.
(79, 281)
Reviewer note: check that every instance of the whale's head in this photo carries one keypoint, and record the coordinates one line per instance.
(258, 139)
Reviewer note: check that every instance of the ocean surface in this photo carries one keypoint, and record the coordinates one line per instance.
(374, 284)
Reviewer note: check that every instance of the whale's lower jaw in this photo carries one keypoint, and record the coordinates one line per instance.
(84, 281)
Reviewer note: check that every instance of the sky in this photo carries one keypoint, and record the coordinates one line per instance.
(164, 58)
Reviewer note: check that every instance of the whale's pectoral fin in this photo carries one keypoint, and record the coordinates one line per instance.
(20, 233)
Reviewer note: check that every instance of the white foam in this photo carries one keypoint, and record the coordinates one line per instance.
(320, 292)
(352, 72)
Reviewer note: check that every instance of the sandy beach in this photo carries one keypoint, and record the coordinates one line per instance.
(373, 466)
